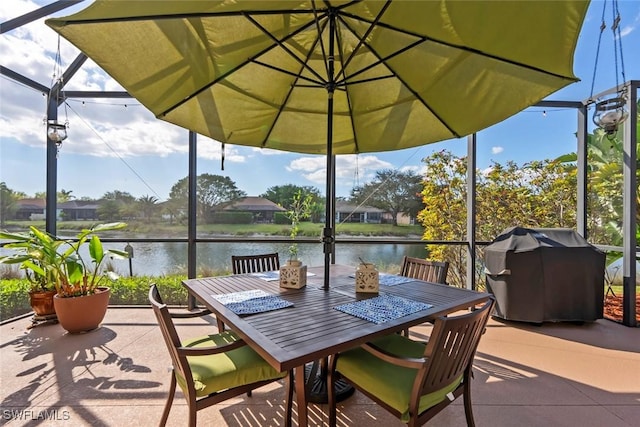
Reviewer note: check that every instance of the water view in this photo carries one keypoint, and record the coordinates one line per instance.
(156, 259)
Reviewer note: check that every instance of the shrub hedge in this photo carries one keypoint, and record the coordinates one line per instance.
(232, 218)
(281, 218)
(14, 298)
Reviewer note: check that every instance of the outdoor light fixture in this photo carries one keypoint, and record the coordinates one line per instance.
(611, 112)
(57, 132)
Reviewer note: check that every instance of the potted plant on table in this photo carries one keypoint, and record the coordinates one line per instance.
(293, 274)
(80, 298)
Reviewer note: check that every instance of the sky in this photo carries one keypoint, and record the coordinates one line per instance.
(117, 144)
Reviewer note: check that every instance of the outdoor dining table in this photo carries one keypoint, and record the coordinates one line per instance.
(312, 328)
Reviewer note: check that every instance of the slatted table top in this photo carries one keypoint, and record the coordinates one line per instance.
(312, 328)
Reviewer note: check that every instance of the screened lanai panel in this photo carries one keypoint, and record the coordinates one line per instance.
(520, 186)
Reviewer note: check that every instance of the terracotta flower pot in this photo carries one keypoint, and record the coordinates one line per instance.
(42, 302)
(84, 313)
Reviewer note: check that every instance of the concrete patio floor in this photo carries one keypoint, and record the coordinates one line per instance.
(550, 375)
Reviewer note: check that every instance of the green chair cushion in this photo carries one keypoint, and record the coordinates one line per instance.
(390, 383)
(222, 371)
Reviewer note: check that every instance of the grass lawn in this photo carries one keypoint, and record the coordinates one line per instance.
(158, 229)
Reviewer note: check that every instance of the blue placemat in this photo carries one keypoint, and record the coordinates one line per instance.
(251, 302)
(382, 308)
(387, 279)
(393, 279)
(271, 276)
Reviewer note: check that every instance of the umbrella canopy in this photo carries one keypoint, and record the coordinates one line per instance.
(332, 76)
(401, 73)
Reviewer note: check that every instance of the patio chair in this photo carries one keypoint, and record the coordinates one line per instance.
(213, 368)
(422, 269)
(243, 264)
(413, 380)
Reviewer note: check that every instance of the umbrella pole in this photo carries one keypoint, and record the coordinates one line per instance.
(329, 220)
(316, 372)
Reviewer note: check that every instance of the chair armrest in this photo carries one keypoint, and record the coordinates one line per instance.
(407, 362)
(206, 351)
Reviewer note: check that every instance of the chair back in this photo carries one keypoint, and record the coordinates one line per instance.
(170, 336)
(452, 347)
(421, 269)
(243, 264)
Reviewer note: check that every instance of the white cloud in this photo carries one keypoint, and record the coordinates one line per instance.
(497, 150)
(100, 127)
(267, 152)
(211, 149)
(314, 169)
(311, 168)
(97, 127)
(417, 169)
(104, 130)
(626, 30)
(629, 28)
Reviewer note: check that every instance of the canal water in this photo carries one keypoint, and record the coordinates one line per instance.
(156, 259)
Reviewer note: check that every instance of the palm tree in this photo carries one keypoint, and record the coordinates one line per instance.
(147, 205)
(65, 195)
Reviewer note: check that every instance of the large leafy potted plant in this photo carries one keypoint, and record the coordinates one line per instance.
(81, 296)
(36, 253)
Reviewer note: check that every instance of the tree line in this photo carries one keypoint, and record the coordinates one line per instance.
(390, 190)
(536, 194)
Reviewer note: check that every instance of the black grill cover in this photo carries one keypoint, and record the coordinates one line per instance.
(545, 274)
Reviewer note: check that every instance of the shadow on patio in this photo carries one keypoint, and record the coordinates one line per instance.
(550, 375)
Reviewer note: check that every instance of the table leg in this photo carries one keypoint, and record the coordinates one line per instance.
(301, 396)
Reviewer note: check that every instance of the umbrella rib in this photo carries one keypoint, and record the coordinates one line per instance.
(319, 32)
(319, 84)
(188, 15)
(300, 12)
(459, 47)
(330, 9)
(239, 66)
(366, 34)
(286, 49)
(348, 98)
(182, 16)
(286, 99)
(368, 80)
(345, 64)
(382, 61)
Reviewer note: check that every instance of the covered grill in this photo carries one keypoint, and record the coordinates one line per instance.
(545, 274)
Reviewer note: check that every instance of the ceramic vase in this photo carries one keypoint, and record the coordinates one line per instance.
(293, 275)
(367, 279)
